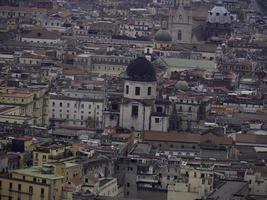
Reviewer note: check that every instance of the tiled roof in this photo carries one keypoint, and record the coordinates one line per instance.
(187, 138)
(251, 138)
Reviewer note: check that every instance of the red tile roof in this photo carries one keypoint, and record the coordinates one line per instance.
(187, 138)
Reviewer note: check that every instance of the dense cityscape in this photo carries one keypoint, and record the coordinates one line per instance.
(133, 99)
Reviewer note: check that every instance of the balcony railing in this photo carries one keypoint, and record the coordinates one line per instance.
(147, 178)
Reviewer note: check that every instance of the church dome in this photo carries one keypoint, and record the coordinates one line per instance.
(141, 69)
(219, 14)
(181, 85)
(163, 36)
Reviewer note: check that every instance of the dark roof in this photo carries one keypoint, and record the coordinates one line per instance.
(141, 69)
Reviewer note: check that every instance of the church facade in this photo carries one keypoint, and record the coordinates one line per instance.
(180, 21)
(139, 109)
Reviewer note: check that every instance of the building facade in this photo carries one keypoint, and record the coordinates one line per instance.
(180, 21)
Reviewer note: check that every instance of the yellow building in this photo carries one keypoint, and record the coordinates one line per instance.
(12, 114)
(32, 103)
(31, 58)
(52, 153)
(194, 184)
(32, 183)
(40, 182)
(11, 24)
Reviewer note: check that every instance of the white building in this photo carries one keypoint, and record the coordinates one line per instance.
(55, 22)
(257, 181)
(79, 108)
(41, 37)
(101, 186)
(135, 29)
(138, 109)
(103, 64)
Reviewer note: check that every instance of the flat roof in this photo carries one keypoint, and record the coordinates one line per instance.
(181, 64)
(37, 172)
(228, 190)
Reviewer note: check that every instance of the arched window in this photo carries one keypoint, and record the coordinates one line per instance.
(31, 190)
(127, 89)
(179, 35)
(149, 91)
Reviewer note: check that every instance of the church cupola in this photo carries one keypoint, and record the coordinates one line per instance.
(140, 80)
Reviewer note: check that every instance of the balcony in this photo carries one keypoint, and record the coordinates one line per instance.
(147, 178)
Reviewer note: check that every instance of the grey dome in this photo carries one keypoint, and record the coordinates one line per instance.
(163, 36)
(181, 85)
(219, 14)
(141, 69)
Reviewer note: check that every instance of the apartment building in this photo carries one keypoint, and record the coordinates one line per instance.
(31, 103)
(81, 108)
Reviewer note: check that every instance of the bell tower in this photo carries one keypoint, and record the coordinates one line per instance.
(180, 21)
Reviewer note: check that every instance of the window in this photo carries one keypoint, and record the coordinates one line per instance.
(135, 110)
(19, 187)
(31, 190)
(60, 104)
(137, 90)
(44, 157)
(159, 109)
(189, 109)
(43, 181)
(149, 91)
(127, 89)
(42, 191)
(82, 105)
(128, 184)
(68, 105)
(179, 35)
(53, 103)
(10, 185)
(157, 120)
